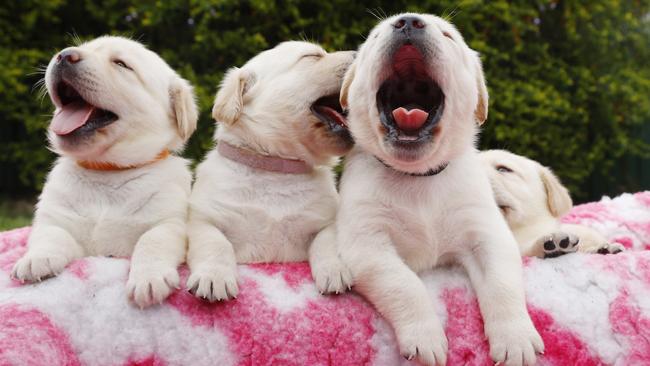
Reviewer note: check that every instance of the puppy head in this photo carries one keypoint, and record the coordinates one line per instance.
(285, 101)
(117, 102)
(523, 188)
(415, 93)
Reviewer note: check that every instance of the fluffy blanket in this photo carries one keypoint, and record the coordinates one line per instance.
(590, 310)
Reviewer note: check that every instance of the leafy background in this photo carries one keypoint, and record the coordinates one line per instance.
(569, 80)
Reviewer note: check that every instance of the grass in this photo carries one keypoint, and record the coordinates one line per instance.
(15, 213)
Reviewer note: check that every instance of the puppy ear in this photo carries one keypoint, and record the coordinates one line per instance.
(481, 111)
(229, 101)
(557, 196)
(347, 81)
(184, 107)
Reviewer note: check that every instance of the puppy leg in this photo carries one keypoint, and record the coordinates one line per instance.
(591, 241)
(156, 257)
(50, 249)
(399, 295)
(328, 270)
(212, 263)
(495, 270)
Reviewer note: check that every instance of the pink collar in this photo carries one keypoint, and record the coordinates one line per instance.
(263, 162)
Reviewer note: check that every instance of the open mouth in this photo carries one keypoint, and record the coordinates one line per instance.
(410, 102)
(329, 111)
(77, 116)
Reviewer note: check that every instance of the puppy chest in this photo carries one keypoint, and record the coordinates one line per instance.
(112, 227)
(264, 235)
(271, 220)
(417, 237)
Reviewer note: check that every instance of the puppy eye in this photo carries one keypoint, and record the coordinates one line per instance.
(315, 55)
(121, 63)
(448, 35)
(503, 169)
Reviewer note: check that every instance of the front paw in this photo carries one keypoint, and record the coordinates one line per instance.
(424, 341)
(214, 283)
(151, 284)
(558, 244)
(36, 267)
(514, 342)
(331, 276)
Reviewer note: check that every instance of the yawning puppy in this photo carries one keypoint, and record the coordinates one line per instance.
(414, 194)
(268, 187)
(532, 200)
(115, 190)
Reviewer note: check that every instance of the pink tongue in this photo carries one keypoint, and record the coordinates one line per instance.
(409, 120)
(333, 114)
(71, 117)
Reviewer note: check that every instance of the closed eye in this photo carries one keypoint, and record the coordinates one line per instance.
(122, 64)
(503, 169)
(448, 35)
(315, 55)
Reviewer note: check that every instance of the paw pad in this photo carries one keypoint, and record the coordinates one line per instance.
(610, 249)
(559, 244)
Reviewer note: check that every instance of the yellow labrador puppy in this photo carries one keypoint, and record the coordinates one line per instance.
(268, 188)
(414, 194)
(115, 190)
(532, 200)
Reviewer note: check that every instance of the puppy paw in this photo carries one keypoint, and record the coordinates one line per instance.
(215, 283)
(609, 248)
(558, 244)
(151, 284)
(331, 276)
(36, 267)
(425, 342)
(514, 342)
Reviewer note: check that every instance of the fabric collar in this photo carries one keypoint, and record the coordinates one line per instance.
(262, 162)
(105, 166)
(428, 173)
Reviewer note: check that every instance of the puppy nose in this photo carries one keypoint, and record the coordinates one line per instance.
(408, 23)
(69, 56)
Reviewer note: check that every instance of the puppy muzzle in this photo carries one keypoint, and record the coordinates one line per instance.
(410, 102)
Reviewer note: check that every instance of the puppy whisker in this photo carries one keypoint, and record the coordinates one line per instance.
(378, 13)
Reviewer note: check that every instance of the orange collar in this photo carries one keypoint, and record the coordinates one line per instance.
(105, 166)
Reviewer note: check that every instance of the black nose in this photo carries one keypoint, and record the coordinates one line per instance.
(69, 56)
(408, 23)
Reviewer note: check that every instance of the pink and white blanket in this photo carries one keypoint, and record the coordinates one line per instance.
(590, 310)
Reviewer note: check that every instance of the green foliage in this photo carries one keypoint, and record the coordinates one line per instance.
(569, 81)
(15, 213)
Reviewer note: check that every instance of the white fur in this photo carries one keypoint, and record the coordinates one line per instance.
(391, 226)
(532, 199)
(243, 215)
(139, 211)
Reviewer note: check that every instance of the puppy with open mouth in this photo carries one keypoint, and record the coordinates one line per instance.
(267, 189)
(115, 190)
(414, 194)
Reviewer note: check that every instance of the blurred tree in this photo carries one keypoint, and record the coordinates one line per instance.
(569, 80)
